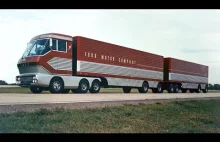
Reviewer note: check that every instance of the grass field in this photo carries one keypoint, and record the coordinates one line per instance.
(175, 117)
(108, 90)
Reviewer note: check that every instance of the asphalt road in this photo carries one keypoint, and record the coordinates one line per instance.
(8, 86)
(17, 99)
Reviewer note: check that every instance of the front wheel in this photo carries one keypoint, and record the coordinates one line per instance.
(56, 85)
(35, 89)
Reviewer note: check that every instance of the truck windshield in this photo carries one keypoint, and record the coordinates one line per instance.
(37, 47)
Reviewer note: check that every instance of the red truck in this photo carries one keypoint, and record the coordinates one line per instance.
(60, 63)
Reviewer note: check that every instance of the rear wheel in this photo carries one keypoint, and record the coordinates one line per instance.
(35, 89)
(159, 88)
(83, 86)
(205, 90)
(144, 88)
(176, 88)
(199, 89)
(171, 88)
(126, 89)
(95, 88)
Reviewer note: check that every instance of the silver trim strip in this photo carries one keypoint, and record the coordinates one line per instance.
(52, 36)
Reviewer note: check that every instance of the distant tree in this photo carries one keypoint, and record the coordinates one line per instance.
(2, 82)
(216, 87)
(210, 87)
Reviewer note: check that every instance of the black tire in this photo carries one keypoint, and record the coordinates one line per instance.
(159, 88)
(205, 90)
(144, 88)
(36, 90)
(184, 90)
(56, 85)
(176, 88)
(126, 89)
(95, 88)
(83, 86)
(66, 91)
(199, 89)
(171, 88)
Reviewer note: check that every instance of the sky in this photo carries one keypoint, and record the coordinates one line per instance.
(192, 35)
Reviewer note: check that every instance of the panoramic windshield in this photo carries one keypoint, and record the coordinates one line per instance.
(37, 47)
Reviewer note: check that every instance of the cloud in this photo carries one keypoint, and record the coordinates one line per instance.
(199, 50)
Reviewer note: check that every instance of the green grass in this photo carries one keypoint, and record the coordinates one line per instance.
(175, 117)
(103, 90)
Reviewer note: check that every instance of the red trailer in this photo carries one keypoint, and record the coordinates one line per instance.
(184, 75)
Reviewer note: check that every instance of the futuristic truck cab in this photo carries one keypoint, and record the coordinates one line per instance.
(47, 65)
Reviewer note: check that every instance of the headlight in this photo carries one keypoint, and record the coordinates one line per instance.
(17, 78)
(34, 79)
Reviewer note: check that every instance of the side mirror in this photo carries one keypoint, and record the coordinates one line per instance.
(51, 43)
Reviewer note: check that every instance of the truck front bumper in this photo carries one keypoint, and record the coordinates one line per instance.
(26, 80)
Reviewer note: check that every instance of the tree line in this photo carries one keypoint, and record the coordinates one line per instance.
(214, 87)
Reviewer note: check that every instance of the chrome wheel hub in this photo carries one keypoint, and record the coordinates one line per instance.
(56, 85)
(84, 86)
(96, 86)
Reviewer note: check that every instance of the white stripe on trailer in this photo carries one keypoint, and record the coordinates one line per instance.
(129, 82)
(119, 70)
(192, 85)
(190, 78)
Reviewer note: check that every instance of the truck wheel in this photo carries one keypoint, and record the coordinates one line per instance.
(95, 88)
(176, 88)
(171, 88)
(36, 90)
(126, 89)
(83, 86)
(66, 91)
(159, 88)
(144, 88)
(205, 90)
(56, 85)
(199, 89)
